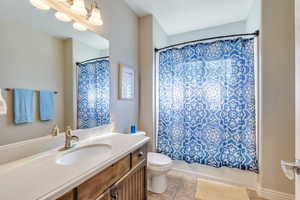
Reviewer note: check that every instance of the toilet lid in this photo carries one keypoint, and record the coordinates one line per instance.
(158, 159)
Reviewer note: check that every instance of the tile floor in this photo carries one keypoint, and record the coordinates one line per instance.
(183, 187)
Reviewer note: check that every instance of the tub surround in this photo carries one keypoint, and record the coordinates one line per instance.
(42, 177)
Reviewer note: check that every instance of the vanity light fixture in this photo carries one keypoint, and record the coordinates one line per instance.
(79, 26)
(91, 15)
(40, 4)
(79, 8)
(62, 17)
(95, 17)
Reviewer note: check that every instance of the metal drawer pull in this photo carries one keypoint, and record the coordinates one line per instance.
(114, 193)
(141, 154)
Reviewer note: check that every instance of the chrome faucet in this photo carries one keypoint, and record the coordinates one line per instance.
(70, 138)
(55, 131)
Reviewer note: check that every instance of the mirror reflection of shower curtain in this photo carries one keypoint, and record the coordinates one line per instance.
(93, 101)
(206, 103)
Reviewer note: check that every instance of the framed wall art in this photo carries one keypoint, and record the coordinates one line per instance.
(126, 82)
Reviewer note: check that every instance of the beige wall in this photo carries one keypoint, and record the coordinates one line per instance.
(69, 77)
(151, 35)
(33, 60)
(146, 63)
(277, 95)
(297, 88)
(121, 29)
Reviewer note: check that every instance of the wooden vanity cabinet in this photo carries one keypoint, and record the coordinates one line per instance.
(124, 180)
(132, 186)
(68, 196)
(95, 186)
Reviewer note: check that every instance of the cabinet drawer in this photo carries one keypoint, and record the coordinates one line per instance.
(139, 156)
(94, 187)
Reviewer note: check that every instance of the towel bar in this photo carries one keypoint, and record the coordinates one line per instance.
(10, 89)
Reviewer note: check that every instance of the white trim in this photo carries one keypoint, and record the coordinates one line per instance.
(257, 72)
(156, 99)
(274, 195)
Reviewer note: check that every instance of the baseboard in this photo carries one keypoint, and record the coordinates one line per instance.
(274, 195)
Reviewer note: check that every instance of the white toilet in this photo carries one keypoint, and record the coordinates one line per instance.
(158, 166)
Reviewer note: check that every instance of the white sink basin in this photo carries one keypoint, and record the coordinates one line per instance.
(94, 152)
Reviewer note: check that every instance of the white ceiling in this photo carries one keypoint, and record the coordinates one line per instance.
(178, 16)
(21, 11)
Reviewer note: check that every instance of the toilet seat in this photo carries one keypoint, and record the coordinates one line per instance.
(158, 160)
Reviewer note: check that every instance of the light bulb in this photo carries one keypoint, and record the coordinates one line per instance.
(79, 8)
(95, 17)
(40, 4)
(79, 26)
(62, 17)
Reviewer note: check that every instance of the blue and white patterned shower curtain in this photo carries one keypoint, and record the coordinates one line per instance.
(93, 94)
(207, 97)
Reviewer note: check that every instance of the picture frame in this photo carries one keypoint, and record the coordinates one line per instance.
(126, 82)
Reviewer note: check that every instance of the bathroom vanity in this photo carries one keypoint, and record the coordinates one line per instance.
(124, 180)
(106, 166)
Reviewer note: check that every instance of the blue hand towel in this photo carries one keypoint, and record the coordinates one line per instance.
(46, 105)
(23, 106)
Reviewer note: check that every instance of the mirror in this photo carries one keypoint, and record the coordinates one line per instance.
(40, 53)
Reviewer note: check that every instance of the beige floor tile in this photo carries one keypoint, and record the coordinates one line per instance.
(183, 187)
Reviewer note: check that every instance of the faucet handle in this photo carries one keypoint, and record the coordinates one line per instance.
(68, 130)
(55, 130)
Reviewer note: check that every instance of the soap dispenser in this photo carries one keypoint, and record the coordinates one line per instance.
(3, 106)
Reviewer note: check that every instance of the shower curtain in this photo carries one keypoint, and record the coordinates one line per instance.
(206, 104)
(93, 94)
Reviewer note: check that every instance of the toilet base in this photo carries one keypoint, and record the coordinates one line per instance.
(158, 183)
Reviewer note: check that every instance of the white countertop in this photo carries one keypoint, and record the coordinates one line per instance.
(39, 177)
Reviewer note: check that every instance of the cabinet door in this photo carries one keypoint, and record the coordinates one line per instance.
(133, 186)
(95, 186)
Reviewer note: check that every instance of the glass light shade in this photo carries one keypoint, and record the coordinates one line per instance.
(40, 4)
(95, 17)
(79, 8)
(79, 26)
(3, 106)
(62, 17)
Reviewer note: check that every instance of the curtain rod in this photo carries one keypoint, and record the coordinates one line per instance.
(90, 60)
(256, 33)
